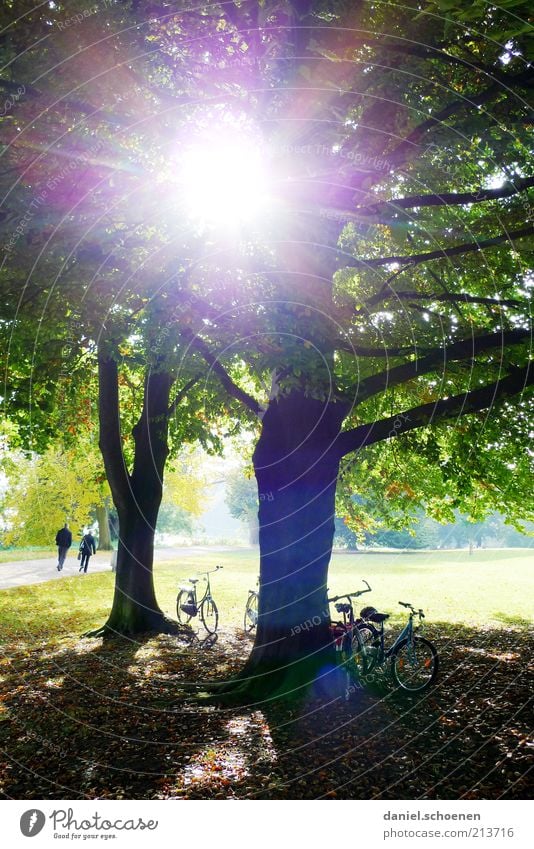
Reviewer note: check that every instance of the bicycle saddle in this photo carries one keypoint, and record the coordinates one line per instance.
(193, 580)
(378, 617)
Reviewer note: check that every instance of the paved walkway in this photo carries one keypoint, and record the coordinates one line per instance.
(17, 573)
(20, 572)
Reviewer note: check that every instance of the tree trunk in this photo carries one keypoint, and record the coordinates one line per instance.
(104, 535)
(135, 608)
(296, 467)
(137, 497)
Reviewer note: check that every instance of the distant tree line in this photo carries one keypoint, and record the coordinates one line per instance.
(427, 533)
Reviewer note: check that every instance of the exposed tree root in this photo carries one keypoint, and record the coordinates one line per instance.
(149, 625)
(259, 682)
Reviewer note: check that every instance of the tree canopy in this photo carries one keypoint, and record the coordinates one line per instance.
(401, 167)
(380, 274)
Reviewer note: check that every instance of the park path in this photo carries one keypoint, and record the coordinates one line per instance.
(18, 573)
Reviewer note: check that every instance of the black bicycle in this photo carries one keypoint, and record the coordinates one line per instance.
(352, 637)
(250, 620)
(412, 659)
(188, 606)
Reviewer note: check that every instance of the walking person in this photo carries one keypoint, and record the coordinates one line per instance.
(87, 547)
(63, 542)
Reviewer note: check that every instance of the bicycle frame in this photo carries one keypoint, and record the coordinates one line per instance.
(207, 592)
(351, 626)
(406, 644)
(406, 633)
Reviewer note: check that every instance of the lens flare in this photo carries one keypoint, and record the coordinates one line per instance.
(224, 184)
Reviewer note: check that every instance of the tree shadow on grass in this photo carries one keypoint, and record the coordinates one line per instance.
(467, 736)
(87, 719)
(464, 738)
(108, 719)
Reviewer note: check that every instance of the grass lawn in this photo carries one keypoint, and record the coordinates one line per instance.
(9, 555)
(487, 587)
(483, 589)
(80, 718)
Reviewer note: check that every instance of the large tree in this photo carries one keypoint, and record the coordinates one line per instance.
(390, 306)
(383, 300)
(90, 278)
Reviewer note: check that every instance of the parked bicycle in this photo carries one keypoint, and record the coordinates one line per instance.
(352, 636)
(250, 620)
(412, 659)
(188, 605)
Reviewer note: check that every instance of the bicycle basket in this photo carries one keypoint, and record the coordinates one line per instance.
(367, 612)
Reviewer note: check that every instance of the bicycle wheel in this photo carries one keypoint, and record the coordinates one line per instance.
(351, 669)
(414, 667)
(209, 615)
(183, 598)
(251, 613)
(365, 660)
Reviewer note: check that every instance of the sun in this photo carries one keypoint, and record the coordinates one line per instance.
(224, 181)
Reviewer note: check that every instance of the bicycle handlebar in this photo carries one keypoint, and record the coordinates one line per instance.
(412, 608)
(211, 571)
(351, 595)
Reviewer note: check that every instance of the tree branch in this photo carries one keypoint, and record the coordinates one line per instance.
(232, 388)
(429, 52)
(181, 394)
(447, 198)
(437, 412)
(469, 247)
(385, 352)
(397, 156)
(446, 297)
(110, 430)
(462, 350)
(150, 435)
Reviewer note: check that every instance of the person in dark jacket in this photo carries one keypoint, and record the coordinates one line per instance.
(63, 542)
(87, 547)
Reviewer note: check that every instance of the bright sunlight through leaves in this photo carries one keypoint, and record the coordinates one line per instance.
(224, 181)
